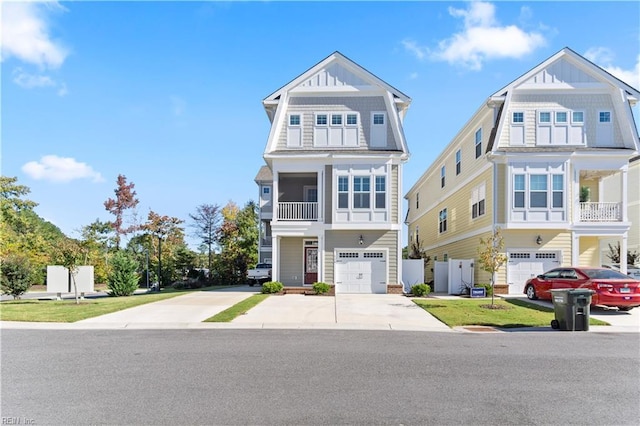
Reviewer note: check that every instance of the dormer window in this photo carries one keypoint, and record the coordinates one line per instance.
(294, 120)
(336, 119)
(352, 119)
(321, 119)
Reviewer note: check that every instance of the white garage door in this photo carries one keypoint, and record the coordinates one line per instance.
(361, 272)
(523, 265)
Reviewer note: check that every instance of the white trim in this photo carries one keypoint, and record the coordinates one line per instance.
(460, 237)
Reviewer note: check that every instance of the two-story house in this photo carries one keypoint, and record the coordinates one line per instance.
(531, 161)
(330, 193)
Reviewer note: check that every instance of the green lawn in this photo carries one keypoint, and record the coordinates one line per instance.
(238, 309)
(31, 310)
(514, 313)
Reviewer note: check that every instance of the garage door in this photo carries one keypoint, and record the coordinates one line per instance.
(361, 272)
(523, 265)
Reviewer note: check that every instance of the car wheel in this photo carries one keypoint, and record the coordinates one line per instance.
(555, 324)
(625, 308)
(531, 293)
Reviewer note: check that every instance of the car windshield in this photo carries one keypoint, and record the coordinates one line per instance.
(604, 274)
(263, 266)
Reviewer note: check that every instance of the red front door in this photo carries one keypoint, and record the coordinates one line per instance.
(310, 265)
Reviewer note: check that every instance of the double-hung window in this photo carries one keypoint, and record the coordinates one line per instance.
(537, 191)
(343, 192)
(478, 143)
(442, 221)
(558, 191)
(381, 193)
(458, 162)
(478, 201)
(361, 192)
(518, 191)
(443, 173)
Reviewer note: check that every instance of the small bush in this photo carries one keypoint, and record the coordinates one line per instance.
(179, 285)
(271, 287)
(420, 290)
(321, 288)
(15, 276)
(487, 288)
(123, 278)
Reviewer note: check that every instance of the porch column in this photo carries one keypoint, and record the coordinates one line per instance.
(275, 258)
(320, 195)
(623, 254)
(575, 249)
(623, 197)
(321, 258)
(575, 195)
(274, 196)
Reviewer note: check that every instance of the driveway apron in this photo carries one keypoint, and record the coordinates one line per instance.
(191, 308)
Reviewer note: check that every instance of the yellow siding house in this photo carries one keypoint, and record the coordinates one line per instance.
(522, 162)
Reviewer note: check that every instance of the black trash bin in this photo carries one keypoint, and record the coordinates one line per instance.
(572, 307)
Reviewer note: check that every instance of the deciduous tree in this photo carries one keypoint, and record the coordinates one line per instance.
(491, 257)
(70, 255)
(206, 221)
(125, 200)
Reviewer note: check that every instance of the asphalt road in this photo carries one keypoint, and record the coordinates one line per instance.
(287, 377)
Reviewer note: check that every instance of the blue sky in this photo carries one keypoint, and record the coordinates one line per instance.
(169, 93)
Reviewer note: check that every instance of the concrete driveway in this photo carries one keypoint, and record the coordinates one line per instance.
(343, 311)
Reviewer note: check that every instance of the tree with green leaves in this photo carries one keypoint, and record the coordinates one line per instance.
(206, 221)
(15, 276)
(491, 256)
(98, 239)
(168, 235)
(238, 239)
(70, 255)
(123, 276)
(124, 201)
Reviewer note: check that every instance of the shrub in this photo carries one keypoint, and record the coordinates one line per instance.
(122, 279)
(179, 285)
(321, 288)
(271, 287)
(487, 288)
(420, 290)
(15, 277)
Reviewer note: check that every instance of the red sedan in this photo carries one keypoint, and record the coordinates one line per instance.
(611, 287)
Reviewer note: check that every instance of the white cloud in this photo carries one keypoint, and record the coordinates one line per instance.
(412, 47)
(29, 81)
(32, 81)
(60, 169)
(604, 58)
(25, 34)
(482, 39)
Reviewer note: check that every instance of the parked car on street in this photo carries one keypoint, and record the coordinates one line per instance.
(612, 288)
(632, 270)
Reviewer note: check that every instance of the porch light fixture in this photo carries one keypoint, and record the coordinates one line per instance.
(361, 240)
(539, 240)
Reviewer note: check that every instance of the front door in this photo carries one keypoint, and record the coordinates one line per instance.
(310, 265)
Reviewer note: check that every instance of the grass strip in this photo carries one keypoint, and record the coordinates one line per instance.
(512, 313)
(238, 309)
(31, 310)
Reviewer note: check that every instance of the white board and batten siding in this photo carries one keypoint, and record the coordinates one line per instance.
(525, 264)
(361, 271)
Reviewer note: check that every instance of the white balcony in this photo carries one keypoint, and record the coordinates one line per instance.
(297, 211)
(600, 212)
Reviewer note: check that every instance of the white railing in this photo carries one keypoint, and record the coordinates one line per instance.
(600, 212)
(297, 211)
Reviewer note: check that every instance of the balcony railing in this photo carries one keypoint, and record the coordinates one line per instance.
(297, 211)
(600, 212)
